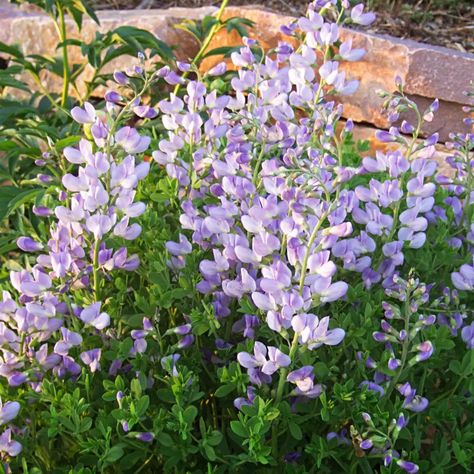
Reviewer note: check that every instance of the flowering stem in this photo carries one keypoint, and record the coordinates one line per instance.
(402, 179)
(95, 269)
(63, 37)
(279, 393)
(45, 92)
(212, 32)
(406, 344)
(308, 249)
(294, 342)
(257, 164)
(469, 186)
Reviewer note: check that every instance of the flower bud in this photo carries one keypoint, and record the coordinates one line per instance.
(186, 341)
(120, 78)
(146, 437)
(366, 444)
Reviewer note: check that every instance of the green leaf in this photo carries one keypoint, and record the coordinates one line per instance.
(165, 440)
(142, 39)
(215, 438)
(460, 454)
(239, 24)
(165, 395)
(136, 388)
(142, 405)
(14, 51)
(68, 141)
(12, 198)
(295, 431)
(190, 414)
(114, 454)
(225, 51)
(238, 428)
(455, 367)
(224, 390)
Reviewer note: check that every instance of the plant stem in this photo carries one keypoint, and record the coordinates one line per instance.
(294, 342)
(212, 32)
(279, 394)
(95, 270)
(312, 238)
(257, 164)
(63, 37)
(45, 92)
(406, 344)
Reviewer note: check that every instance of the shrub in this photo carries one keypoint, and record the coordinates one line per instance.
(257, 295)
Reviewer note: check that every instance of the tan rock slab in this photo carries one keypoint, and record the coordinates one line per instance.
(36, 34)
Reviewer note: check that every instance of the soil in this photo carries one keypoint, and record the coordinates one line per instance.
(448, 23)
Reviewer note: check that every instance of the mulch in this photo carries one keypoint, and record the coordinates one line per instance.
(448, 23)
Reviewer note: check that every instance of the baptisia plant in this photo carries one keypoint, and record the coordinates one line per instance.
(282, 219)
(267, 309)
(263, 188)
(60, 306)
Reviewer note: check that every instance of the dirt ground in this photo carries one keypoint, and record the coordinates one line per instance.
(448, 23)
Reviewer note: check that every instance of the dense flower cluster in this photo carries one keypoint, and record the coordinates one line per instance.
(273, 248)
(42, 329)
(271, 186)
(99, 204)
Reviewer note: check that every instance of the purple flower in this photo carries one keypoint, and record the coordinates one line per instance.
(373, 387)
(85, 115)
(314, 332)
(30, 284)
(412, 401)
(120, 78)
(146, 437)
(69, 340)
(242, 401)
(112, 96)
(181, 248)
(425, 351)
(366, 444)
(7, 445)
(361, 18)
(145, 111)
(218, 69)
(42, 211)
(464, 279)
(329, 292)
(92, 316)
(349, 54)
(186, 341)
(304, 380)
(8, 411)
(467, 335)
(131, 141)
(99, 225)
(169, 364)
(408, 466)
(92, 358)
(259, 363)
